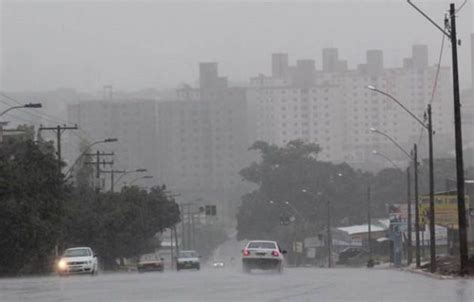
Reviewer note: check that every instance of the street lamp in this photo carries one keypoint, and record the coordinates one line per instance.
(129, 172)
(462, 223)
(409, 242)
(429, 128)
(29, 105)
(413, 156)
(140, 177)
(88, 147)
(391, 139)
(329, 234)
(375, 152)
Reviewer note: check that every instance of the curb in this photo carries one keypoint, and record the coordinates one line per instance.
(428, 274)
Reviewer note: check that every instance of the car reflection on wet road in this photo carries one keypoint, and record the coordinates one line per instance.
(230, 284)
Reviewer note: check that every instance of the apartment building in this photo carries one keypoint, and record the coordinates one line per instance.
(334, 108)
(132, 121)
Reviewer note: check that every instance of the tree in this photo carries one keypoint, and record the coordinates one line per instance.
(293, 182)
(119, 225)
(31, 199)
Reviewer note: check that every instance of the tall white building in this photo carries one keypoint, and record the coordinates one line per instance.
(334, 108)
(133, 122)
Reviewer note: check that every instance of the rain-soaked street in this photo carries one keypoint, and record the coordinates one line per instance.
(295, 284)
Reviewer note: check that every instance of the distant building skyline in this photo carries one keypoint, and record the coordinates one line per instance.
(49, 44)
(333, 107)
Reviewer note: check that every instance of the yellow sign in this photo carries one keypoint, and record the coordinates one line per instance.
(446, 210)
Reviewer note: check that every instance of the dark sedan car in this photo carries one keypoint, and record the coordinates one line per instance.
(353, 256)
(150, 262)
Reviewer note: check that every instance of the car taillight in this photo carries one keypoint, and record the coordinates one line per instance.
(275, 253)
(246, 252)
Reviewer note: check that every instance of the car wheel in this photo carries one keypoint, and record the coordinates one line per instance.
(246, 269)
(198, 267)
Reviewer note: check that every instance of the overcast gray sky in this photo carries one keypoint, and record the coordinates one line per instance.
(139, 44)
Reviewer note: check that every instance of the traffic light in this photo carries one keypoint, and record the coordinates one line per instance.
(210, 210)
(213, 211)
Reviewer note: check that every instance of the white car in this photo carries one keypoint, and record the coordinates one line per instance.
(262, 254)
(78, 260)
(218, 264)
(188, 260)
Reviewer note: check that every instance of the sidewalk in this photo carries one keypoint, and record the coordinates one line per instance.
(412, 269)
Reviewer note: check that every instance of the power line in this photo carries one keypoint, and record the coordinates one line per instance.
(58, 131)
(460, 7)
(42, 115)
(435, 84)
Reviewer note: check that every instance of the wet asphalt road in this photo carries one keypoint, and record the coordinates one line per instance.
(295, 284)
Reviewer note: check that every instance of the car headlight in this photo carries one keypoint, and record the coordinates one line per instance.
(62, 264)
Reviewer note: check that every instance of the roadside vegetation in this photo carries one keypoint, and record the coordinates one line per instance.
(42, 213)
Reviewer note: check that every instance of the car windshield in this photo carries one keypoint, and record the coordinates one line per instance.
(77, 253)
(261, 245)
(149, 257)
(187, 254)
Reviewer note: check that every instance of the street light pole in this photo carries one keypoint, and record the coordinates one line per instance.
(432, 207)
(391, 139)
(141, 177)
(329, 234)
(429, 128)
(126, 173)
(29, 105)
(409, 231)
(107, 140)
(375, 152)
(370, 263)
(463, 249)
(462, 224)
(417, 207)
(409, 213)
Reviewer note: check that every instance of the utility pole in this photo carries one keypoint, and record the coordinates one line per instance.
(189, 227)
(97, 163)
(369, 219)
(432, 206)
(409, 250)
(171, 247)
(329, 235)
(59, 131)
(112, 175)
(463, 250)
(175, 233)
(193, 229)
(417, 207)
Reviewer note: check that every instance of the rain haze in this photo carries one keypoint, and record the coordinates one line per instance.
(136, 44)
(223, 150)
